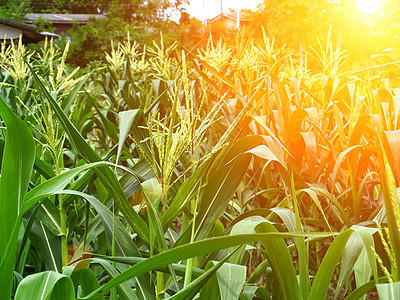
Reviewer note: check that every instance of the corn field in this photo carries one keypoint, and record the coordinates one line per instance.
(222, 174)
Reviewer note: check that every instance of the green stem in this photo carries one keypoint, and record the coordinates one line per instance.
(63, 218)
(113, 294)
(301, 247)
(64, 231)
(356, 203)
(189, 262)
(160, 285)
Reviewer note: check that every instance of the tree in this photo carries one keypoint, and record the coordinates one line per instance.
(144, 19)
(295, 23)
(12, 10)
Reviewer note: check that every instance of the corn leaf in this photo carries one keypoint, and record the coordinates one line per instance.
(86, 280)
(388, 291)
(17, 165)
(231, 278)
(281, 263)
(325, 271)
(107, 177)
(196, 249)
(46, 285)
(210, 290)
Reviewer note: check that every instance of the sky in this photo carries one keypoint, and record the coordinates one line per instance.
(212, 8)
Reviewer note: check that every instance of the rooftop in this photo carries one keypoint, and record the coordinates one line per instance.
(63, 18)
(22, 26)
(243, 17)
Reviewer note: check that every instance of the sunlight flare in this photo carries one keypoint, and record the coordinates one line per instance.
(369, 6)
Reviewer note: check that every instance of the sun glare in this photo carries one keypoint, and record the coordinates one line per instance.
(369, 6)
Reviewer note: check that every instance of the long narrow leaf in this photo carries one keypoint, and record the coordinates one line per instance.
(193, 250)
(17, 165)
(106, 175)
(45, 285)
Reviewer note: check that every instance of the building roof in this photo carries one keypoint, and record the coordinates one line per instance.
(63, 18)
(231, 16)
(29, 32)
(19, 25)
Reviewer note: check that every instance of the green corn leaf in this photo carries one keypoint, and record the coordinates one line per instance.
(388, 291)
(258, 272)
(220, 188)
(359, 240)
(196, 249)
(325, 271)
(245, 226)
(348, 152)
(124, 245)
(194, 287)
(153, 195)
(125, 122)
(281, 263)
(109, 127)
(49, 215)
(248, 292)
(46, 285)
(86, 280)
(362, 270)
(108, 178)
(254, 212)
(55, 184)
(124, 289)
(223, 183)
(44, 168)
(218, 74)
(210, 290)
(47, 244)
(231, 278)
(179, 269)
(364, 289)
(185, 193)
(17, 165)
(359, 129)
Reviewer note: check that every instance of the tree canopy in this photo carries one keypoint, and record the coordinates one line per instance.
(308, 22)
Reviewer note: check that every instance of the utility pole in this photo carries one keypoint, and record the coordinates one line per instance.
(204, 13)
(237, 18)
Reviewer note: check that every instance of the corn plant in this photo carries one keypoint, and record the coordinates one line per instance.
(239, 173)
